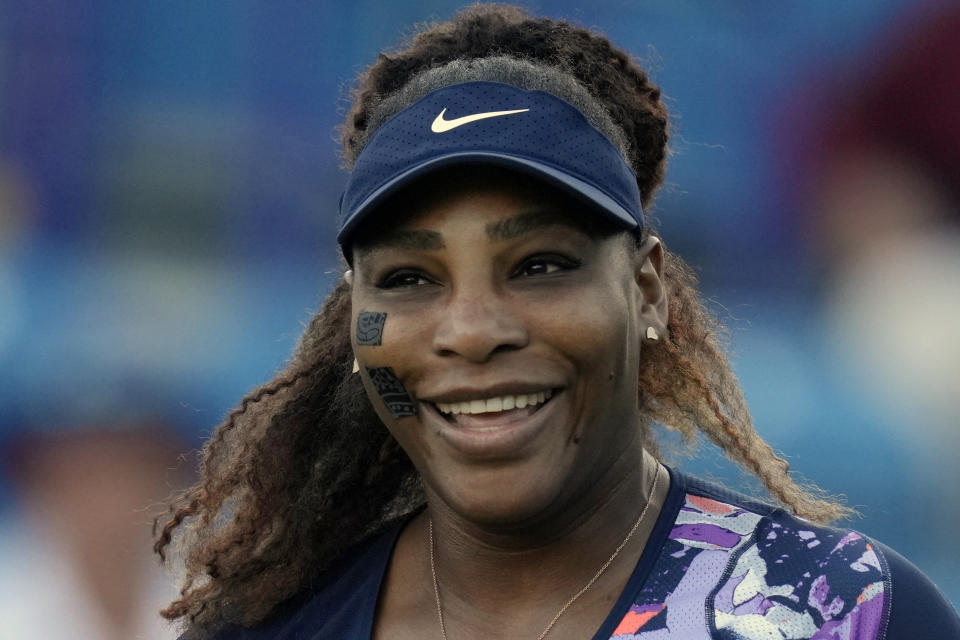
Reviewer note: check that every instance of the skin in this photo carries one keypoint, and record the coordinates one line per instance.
(501, 289)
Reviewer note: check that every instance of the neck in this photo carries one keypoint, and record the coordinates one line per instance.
(521, 572)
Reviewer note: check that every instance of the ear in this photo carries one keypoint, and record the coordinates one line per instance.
(348, 276)
(648, 273)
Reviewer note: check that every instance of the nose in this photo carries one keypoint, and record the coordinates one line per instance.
(475, 326)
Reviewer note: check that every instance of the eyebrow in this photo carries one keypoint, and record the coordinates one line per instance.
(412, 239)
(424, 240)
(524, 223)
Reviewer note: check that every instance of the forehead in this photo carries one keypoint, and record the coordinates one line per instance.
(511, 203)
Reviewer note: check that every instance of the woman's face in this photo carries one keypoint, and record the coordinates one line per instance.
(506, 362)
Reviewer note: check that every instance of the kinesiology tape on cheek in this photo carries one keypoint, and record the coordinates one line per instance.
(388, 385)
(370, 328)
(392, 392)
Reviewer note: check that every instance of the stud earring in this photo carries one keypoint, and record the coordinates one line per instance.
(652, 334)
(356, 366)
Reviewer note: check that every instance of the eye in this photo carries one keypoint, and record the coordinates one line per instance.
(403, 278)
(545, 265)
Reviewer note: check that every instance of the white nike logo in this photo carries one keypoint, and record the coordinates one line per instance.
(440, 125)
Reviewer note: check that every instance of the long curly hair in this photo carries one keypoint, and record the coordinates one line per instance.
(303, 469)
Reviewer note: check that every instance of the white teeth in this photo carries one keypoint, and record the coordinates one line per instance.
(492, 405)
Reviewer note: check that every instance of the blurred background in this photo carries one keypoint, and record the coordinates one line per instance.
(168, 187)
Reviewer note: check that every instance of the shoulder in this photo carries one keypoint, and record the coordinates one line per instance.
(918, 609)
(339, 603)
(787, 576)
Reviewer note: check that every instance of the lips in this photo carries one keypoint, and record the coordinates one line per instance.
(492, 427)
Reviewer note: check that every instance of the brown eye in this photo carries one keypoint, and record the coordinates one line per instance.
(540, 267)
(404, 278)
(545, 265)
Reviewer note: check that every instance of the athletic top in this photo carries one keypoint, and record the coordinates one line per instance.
(718, 565)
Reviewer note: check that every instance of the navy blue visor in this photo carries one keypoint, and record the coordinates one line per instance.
(499, 124)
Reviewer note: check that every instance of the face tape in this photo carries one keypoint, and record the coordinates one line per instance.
(392, 391)
(370, 328)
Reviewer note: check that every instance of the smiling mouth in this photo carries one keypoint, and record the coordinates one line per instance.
(498, 407)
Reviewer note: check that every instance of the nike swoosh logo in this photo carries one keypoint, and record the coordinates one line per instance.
(440, 125)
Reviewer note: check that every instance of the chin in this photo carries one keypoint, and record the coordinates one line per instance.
(498, 498)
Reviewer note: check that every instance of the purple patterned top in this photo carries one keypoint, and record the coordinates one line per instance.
(728, 572)
(717, 566)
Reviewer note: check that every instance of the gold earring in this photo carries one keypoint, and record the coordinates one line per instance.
(356, 366)
(652, 334)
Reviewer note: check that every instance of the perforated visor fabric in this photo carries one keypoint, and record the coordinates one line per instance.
(544, 136)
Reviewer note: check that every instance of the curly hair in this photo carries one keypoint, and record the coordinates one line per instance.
(303, 469)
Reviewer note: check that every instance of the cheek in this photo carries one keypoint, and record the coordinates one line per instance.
(382, 341)
(597, 339)
(391, 392)
(594, 329)
(383, 382)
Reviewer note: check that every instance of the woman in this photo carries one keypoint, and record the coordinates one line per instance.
(516, 326)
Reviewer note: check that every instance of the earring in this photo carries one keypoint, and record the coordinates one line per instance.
(652, 334)
(356, 366)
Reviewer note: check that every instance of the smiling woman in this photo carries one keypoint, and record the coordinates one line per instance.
(486, 468)
(513, 299)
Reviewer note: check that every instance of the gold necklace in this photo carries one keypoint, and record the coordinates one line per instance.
(563, 609)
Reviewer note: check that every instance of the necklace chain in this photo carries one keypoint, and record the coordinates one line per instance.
(576, 596)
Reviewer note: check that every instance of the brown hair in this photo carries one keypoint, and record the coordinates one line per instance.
(253, 536)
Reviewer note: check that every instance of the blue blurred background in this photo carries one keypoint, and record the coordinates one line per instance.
(168, 187)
